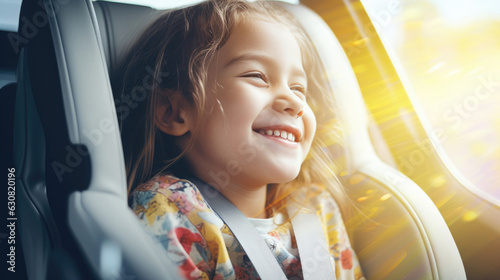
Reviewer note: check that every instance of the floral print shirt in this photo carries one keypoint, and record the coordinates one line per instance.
(194, 237)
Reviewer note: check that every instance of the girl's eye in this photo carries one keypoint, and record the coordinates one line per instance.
(256, 75)
(299, 89)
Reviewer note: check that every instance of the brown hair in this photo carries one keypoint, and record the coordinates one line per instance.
(179, 46)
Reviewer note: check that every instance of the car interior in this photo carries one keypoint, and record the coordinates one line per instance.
(74, 220)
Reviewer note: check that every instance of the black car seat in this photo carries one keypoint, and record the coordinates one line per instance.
(68, 151)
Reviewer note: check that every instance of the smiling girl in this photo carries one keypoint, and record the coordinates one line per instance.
(231, 106)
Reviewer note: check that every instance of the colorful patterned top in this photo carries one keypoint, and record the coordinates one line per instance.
(176, 215)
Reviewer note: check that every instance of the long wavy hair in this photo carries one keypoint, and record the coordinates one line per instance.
(177, 48)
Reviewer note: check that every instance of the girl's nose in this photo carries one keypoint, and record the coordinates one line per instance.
(289, 103)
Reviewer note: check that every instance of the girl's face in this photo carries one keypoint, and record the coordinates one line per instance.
(258, 127)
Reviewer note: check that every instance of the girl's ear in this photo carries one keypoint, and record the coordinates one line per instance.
(172, 114)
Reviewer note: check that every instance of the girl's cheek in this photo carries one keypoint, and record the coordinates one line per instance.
(309, 121)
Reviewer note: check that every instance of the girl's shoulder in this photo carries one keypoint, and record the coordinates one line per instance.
(170, 190)
(320, 200)
(162, 182)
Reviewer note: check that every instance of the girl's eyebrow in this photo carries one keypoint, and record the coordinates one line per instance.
(262, 58)
(249, 56)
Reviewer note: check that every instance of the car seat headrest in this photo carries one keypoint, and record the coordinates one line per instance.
(119, 24)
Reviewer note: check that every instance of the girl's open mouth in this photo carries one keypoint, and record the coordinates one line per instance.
(286, 135)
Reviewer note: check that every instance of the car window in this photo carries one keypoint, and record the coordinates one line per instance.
(447, 55)
(9, 15)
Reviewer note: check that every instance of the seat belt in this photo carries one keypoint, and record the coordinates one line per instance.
(312, 247)
(255, 247)
(311, 243)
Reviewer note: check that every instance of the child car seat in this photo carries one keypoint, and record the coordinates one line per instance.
(75, 186)
(68, 152)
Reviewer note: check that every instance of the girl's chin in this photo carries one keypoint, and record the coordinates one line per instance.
(280, 177)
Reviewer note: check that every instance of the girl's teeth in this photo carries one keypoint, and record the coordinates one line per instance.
(278, 133)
